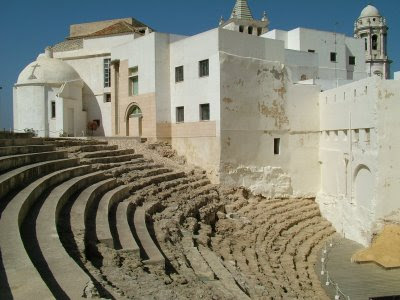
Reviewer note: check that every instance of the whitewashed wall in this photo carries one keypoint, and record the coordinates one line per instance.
(348, 158)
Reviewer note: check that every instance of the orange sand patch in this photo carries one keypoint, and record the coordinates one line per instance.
(385, 250)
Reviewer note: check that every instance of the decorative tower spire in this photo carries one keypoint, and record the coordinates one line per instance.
(241, 10)
(371, 27)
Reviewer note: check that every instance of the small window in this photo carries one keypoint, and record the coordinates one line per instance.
(367, 135)
(374, 42)
(333, 56)
(250, 30)
(205, 112)
(356, 135)
(133, 81)
(311, 50)
(303, 77)
(277, 146)
(97, 122)
(259, 31)
(352, 60)
(241, 28)
(179, 74)
(107, 97)
(180, 114)
(107, 72)
(203, 68)
(366, 44)
(53, 109)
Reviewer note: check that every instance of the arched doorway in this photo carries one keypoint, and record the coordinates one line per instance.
(364, 187)
(134, 121)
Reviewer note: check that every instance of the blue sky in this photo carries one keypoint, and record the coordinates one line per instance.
(27, 26)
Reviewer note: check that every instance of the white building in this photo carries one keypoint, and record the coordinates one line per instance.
(283, 113)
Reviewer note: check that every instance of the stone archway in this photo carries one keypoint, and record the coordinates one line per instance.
(134, 121)
(363, 186)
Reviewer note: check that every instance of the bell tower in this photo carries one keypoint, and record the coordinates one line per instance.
(242, 20)
(372, 28)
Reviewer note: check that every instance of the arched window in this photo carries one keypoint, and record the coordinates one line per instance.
(259, 31)
(374, 42)
(250, 30)
(303, 77)
(366, 44)
(241, 28)
(134, 112)
(378, 73)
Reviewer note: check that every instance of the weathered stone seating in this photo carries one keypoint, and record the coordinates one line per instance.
(110, 159)
(81, 208)
(68, 275)
(21, 142)
(112, 197)
(124, 217)
(155, 257)
(22, 176)
(108, 153)
(14, 150)
(15, 161)
(22, 277)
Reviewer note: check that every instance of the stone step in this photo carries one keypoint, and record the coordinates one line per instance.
(15, 150)
(111, 198)
(108, 153)
(222, 273)
(16, 161)
(21, 142)
(19, 178)
(65, 271)
(107, 160)
(70, 142)
(22, 278)
(15, 135)
(121, 164)
(103, 230)
(81, 209)
(155, 257)
(125, 236)
(93, 148)
(197, 262)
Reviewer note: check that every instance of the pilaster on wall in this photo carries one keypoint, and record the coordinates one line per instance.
(114, 97)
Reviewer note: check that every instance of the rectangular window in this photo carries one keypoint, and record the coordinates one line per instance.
(367, 135)
(203, 68)
(277, 146)
(107, 97)
(356, 136)
(133, 81)
(179, 74)
(352, 60)
(333, 56)
(311, 51)
(107, 72)
(205, 112)
(180, 114)
(53, 109)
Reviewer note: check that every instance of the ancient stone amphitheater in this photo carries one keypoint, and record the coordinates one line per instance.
(84, 219)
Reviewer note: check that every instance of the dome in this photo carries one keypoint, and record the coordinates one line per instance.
(370, 11)
(47, 69)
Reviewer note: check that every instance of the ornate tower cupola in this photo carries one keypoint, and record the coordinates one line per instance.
(372, 28)
(242, 20)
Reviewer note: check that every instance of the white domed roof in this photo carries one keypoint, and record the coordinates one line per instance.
(47, 70)
(370, 11)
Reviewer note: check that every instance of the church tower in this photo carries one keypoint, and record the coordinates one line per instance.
(372, 28)
(242, 20)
